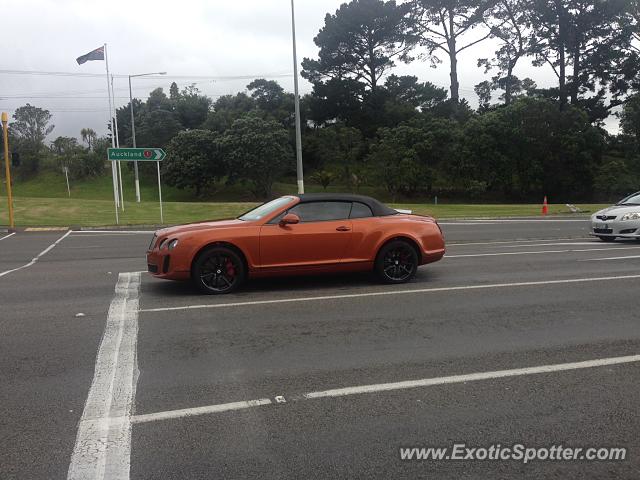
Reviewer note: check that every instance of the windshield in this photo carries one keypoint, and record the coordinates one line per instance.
(631, 200)
(265, 209)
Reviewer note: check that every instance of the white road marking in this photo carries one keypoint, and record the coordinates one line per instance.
(394, 292)
(515, 220)
(103, 445)
(609, 258)
(553, 244)
(533, 240)
(37, 257)
(472, 377)
(192, 412)
(385, 387)
(96, 233)
(7, 236)
(537, 252)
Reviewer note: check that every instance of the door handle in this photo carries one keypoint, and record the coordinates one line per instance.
(343, 229)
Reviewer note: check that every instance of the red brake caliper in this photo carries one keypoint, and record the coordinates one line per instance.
(231, 271)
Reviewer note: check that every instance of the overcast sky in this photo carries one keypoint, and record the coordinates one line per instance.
(211, 38)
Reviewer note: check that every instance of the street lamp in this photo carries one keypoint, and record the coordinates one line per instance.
(300, 177)
(133, 128)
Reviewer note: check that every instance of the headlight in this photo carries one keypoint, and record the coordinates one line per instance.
(162, 244)
(173, 244)
(631, 216)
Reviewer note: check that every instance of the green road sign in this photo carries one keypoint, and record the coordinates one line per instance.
(136, 154)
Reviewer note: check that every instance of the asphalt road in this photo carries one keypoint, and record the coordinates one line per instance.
(302, 378)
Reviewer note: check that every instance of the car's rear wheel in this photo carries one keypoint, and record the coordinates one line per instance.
(397, 262)
(218, 270)
(607, 239)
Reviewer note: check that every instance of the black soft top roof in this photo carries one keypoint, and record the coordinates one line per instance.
(379, 209)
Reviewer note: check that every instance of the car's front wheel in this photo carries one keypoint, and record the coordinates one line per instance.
(397, 262)
(218, 270)
(607, 239)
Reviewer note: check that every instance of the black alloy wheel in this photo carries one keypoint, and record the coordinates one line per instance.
(218, 270)
(397, 262)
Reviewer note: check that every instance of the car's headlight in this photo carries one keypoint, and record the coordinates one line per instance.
(162, 244)
(631, 216)
(173, 244)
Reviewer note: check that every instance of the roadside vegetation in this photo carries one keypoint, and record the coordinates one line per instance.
(368, 130)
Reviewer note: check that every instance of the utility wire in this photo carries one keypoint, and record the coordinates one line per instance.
(184, 77)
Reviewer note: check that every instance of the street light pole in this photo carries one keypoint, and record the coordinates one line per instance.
(300, 176)
(133, 129)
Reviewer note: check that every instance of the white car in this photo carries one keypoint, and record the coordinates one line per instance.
(620, 220)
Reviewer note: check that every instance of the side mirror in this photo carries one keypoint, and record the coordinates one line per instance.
(289, 219)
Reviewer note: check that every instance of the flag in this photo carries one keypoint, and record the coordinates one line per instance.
(97, 54)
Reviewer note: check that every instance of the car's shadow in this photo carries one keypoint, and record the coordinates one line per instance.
(302, 283)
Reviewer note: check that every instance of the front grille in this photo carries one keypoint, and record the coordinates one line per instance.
(603, 230)
(152, 268)
(165, 264)
(605, 217)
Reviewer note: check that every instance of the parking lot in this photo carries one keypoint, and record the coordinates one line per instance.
(526, 332)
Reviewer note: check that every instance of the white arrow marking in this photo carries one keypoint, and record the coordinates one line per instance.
(158, 153)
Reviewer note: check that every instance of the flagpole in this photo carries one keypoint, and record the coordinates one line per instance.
(113, 140)
(115, 120)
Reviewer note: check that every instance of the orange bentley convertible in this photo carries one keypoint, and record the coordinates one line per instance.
(297, 234)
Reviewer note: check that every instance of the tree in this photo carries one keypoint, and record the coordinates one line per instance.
(268, 94)
(409, 159)
(483, 91)
(583, 41)
(89, 136)
(440, 26)
(614, 177)
(508, 22)
(396, 160)
(191, 107)
(407, 89)
(32, 125)
(194, 160)
(513, 151)
(336, 148)
(65, 146)
(258, 151)
(271, 98)
(174, 93)
(157, 127)
(360, 41)
(630, 118)
(324, 178)
(227, 109)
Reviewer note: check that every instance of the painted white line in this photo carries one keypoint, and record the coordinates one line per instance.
(192, 412)
(394, 292)
(537, 252)
(532, 240)
(103, 446)
(385, 387)
(557, 244)
(7, 236)
(506, 222)
(609, 258)
(472, 377)
(92, 233)
(37, 257)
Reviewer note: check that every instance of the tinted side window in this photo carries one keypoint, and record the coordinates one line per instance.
(360, 210)
(322, 211)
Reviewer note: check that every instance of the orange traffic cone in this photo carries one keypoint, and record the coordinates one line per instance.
(545, 206)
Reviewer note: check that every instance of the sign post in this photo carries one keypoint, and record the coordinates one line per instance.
(5, 131)
(141, 155)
